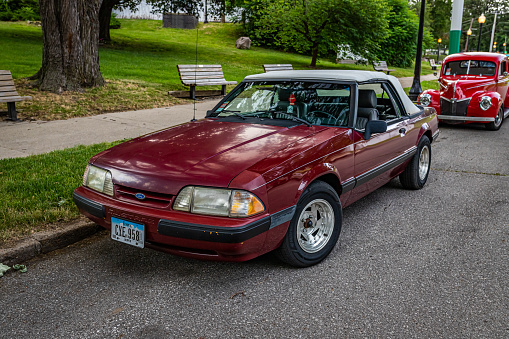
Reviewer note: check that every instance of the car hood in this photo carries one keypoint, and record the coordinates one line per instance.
(207, 152)
(461, 88)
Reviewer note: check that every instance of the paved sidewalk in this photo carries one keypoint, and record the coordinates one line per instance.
(20, 139)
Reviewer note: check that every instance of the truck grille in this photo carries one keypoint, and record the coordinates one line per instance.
(458, 108)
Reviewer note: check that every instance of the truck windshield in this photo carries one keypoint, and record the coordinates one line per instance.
(470, 67)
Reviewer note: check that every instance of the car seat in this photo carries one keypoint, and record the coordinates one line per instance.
(366, 110)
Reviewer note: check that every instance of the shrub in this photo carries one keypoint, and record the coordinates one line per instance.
(114, 22)
(16, 10)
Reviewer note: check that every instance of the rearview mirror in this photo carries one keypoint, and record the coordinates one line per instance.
(374, 126)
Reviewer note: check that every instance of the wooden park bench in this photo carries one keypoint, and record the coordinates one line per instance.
(9, 94)
(433, 64)
(381, 66)
(203, 75)
(277, 67)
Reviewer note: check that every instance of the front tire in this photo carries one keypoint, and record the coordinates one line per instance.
(314, 228)
(416, 173)
(499, 119)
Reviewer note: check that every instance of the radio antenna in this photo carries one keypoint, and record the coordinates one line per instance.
(195, 70)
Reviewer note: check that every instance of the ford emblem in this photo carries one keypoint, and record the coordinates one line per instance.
(140, 196)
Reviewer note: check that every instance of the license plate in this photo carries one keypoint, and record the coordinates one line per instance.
(128, 232)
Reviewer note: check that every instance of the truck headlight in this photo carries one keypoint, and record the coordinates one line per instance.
(425, 99)
(98, 179)
(218, 202)
(485, 102)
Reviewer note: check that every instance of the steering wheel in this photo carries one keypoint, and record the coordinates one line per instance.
(314, 114)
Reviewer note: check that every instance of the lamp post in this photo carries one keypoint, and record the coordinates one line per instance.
(416, 85)
(481, 20)
(438, 50)
(469, 33)
(205, 21)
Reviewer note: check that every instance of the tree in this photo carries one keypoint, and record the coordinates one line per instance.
(105, 14)
(190, 7)
(70, 57)
(319, 26)
(399, 47)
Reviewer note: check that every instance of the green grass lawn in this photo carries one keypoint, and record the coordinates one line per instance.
(36, 191)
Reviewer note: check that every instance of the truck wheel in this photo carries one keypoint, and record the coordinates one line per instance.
(499, 119)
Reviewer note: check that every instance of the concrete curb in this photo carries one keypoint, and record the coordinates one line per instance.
(47, 241)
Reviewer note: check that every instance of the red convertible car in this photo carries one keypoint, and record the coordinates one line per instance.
(269, 168)
(473, 89)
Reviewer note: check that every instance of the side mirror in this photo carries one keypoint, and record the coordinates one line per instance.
(435, 73)
(209, 112)
(505, 74)
(374, 126)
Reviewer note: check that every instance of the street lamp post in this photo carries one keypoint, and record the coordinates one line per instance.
(416, 85)
(481, 20)
(469, 33)
(438, 50)
(205, 21)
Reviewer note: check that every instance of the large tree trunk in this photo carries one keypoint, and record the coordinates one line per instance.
(70, 56)
(314, 57)
(104, 19)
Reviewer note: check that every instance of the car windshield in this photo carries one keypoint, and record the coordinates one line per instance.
(470, 67)
(312, 103)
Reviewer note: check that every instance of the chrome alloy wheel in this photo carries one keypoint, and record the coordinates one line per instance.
(316, 224)
(424, 162)
(499, 117)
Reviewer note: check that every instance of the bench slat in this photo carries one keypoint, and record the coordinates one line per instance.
(277, 67)
(7, 88)
(6, 83)
(9, 94)
(192, 77)
(197, 66)
(202, 74)
(204, 70)
(208, 82)
(13, 99)
(4, 72)
(5, 77)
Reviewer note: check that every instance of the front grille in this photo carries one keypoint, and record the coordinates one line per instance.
(156, 200)
(458, 108)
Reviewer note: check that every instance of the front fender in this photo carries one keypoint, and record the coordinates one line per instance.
(476, 110)
(327, 170)
(435, 99)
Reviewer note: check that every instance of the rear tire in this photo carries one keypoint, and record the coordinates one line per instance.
(314, 228)
(415, 175)
(499, 119)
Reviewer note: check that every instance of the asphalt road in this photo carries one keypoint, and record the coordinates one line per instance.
(432, 263)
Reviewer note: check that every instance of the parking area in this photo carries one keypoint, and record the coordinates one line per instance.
(430, 263)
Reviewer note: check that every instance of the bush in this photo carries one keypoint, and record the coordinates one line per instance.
(16, 10)
(114, 22)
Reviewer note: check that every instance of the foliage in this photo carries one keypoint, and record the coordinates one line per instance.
(19, 10)
(398, 49)
(190, 7)
(114, 22)
(441, 24)
(317, 27)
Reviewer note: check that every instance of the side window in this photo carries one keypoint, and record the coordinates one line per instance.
(386, 107)
(502, 69)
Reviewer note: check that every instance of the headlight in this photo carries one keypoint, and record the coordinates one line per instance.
(216, 201)
(98, 179)
(485, 102)
(425, 99)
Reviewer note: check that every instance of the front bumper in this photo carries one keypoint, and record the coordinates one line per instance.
(189, 235)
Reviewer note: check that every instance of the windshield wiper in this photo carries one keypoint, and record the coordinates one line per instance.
(293, 118)
(234, 112)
